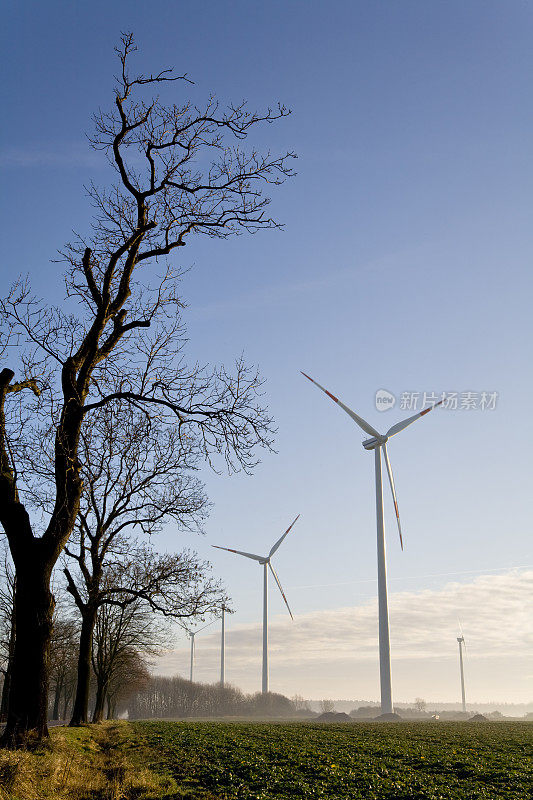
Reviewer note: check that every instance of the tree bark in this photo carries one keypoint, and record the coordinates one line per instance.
(101, 691)
(111, 708)
(34, 603)
(80, 713)
(4, 705)
(5, 694)
(57, 698)
(66, 703)
(34, 610)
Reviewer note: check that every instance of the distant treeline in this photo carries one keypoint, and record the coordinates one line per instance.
(164, 697)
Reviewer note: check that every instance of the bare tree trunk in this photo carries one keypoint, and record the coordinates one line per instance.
(57, 699)
(67, 697)
(4, 705)
(28, 695)
(66, 703)
(80, 713)
(5, 694)
(111, 708)
(101, 691)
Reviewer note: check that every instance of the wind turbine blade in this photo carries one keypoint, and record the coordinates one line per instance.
(409, 421)
(275, 546)
(205, 626)
(393, 490)
(280, 588)
(239, 552)
(360, 421)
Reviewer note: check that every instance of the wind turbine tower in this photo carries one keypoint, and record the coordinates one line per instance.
(266, 564)
(378, 443)
(191, 634)
(222, 649)
(461, 643)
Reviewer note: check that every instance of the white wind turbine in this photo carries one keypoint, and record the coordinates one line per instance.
(223, 610)
(191, 634)
(461, 642)
(266, 563)
(377, 443)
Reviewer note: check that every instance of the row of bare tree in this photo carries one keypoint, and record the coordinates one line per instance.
(102, 420)
(163, 697)
(134, 479)
(124, 638)
(119, 663)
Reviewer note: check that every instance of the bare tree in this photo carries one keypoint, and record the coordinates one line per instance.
(181, 171)
(118, 631)
(130, 675)
(327, 706)
(169, 585)
(300, 703)
(420, 704)
(135, 478)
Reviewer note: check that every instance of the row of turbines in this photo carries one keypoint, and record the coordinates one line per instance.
(192, 634)
(377, 443)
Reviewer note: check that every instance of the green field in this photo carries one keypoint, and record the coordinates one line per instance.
(362, 760)
(222, 761)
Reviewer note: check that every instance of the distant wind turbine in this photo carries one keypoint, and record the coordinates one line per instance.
(191, 634)
(377, 443)
(266, 563)
(223, 647)
(462, 643)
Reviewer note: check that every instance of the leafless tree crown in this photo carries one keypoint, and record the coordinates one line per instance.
(180, 171)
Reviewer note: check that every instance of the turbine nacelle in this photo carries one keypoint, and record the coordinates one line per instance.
(378, 439)
(375, 441)
(265, 561)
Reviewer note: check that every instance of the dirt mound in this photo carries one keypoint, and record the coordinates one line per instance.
(333, 716)
(478, 718)
(388, 717)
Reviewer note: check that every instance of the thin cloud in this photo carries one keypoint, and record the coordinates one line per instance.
(494, 612)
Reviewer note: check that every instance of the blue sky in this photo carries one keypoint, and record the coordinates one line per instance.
(405, 264)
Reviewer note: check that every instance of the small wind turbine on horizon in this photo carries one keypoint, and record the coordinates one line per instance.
(223, 610)
(378, 443)
(461, 642)
(266, 564)
(191, 634)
